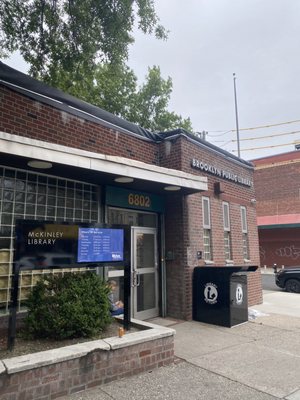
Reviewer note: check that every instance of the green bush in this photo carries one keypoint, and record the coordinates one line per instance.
(68, 306)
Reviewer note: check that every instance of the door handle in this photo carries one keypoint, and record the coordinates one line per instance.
(133, 279)
(138, 279)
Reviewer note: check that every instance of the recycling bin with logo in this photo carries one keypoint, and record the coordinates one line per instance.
(220, 295)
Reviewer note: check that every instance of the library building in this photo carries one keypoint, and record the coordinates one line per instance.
(186, 202)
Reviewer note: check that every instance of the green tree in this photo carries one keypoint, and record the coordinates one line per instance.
(73, 36)
(81, 47)
(151, 102)
(116, 90)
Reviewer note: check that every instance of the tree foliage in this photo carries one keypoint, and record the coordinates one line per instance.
(115, 88)
(81, 47)
(71, 35)
(151, 104)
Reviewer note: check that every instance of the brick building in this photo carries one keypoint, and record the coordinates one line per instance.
(188, 202)
(278, 208)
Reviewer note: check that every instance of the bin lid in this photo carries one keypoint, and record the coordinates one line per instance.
(229, 270)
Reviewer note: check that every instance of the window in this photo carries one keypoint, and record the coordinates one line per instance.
(245, 233)
(207, 242)
(29, 195)
(227, 233)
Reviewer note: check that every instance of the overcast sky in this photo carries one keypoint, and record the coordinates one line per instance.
(209, 40)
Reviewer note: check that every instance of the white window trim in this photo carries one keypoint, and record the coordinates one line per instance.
(244, 211)
(206, 226)
(245, 230)
(226, 204)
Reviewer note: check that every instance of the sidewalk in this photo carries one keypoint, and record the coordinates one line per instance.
(259, 360)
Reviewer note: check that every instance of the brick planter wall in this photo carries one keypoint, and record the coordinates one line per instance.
(55, 373)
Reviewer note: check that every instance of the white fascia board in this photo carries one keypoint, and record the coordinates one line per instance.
(37, 149)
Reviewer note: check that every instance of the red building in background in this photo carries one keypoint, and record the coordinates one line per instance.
(277, 186)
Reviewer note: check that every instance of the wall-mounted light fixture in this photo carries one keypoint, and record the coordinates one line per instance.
(218, 188)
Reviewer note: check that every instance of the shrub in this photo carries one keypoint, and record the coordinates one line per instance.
(68, 306)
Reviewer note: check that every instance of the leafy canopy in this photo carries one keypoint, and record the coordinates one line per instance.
(81, 46)
(116, 90)
(72, 34)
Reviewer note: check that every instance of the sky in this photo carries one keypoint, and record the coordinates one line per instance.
(208, 41)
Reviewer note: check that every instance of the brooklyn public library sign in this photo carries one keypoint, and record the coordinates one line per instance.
(221, 173)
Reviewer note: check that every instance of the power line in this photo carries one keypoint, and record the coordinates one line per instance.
(267, 147)
(260, 127)
(270, 136)
(261, 137)
(221, 134)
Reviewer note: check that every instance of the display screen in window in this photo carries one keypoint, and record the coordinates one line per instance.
(45, 244)
(100, 245)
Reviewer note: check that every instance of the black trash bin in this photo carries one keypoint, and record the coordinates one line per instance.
(220, 295)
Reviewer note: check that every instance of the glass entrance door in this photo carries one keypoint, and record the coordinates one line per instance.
(144, 277)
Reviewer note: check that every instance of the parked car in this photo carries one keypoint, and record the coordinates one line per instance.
(288, 279)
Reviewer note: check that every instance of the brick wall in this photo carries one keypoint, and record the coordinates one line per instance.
(283, 183)
(280, 246)
(281, 176)
(185, 233)
(25, 117)
(94, 369)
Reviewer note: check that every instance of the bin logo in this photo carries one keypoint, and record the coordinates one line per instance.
(239, 294)
(210, 293)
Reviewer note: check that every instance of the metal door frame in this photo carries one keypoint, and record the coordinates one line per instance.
(135, 279)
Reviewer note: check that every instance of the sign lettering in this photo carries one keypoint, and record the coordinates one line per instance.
(221, 173)
(139, 200)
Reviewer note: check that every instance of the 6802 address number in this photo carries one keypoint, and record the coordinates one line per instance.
(139, 200)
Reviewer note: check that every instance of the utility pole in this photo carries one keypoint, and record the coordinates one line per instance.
(236, 117)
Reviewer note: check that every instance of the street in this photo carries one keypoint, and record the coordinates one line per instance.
(268, 282)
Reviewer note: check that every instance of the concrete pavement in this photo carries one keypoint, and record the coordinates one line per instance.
(256, 360)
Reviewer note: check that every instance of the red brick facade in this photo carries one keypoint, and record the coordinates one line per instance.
(282, 178)
(277, 182)
(20, 115)
(184, 225)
